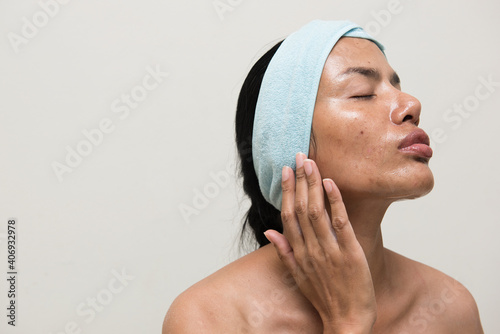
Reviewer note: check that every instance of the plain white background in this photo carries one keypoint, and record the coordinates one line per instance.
(122, 208)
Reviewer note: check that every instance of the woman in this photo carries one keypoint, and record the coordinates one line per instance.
(327, 94)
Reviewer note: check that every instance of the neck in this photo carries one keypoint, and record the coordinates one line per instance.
(366, 217)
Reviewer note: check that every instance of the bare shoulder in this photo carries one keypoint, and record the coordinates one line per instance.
(185, 315)
(442, 304)
(201, 308)
(219, 302)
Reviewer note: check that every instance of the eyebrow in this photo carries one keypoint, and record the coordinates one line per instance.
(370, 73)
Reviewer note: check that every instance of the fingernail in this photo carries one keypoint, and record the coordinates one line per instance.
(265, 234)
(299, 160)
(284, 174)
(308, 167)
(327, 185)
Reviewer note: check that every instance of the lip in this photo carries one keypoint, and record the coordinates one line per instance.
(416, 142)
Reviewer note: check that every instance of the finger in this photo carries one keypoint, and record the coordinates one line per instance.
(316, 205)
(291, 227)
(301, 200)
(340, 221)
(283, 249)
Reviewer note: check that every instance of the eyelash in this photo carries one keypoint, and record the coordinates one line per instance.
(363, 97)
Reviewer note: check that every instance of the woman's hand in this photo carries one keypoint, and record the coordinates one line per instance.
(323, 254)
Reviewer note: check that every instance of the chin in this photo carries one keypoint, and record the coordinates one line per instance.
(424, 180)
(417, 185)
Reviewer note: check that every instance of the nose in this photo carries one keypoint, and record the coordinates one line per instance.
(406, 108)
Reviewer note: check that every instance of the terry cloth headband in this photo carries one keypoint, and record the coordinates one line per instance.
(285, 105)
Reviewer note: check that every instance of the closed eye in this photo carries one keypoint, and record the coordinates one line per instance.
(363, 97)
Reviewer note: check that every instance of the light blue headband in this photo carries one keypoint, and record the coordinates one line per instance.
(283, 115)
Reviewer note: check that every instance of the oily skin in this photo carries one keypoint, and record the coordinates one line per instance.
(360, 118)
(356, 146)
(357, 137)
(358, 124)
(334, 203)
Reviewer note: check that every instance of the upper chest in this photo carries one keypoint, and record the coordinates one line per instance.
(280, 312)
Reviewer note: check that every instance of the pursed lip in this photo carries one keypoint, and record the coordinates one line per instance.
(416, 142)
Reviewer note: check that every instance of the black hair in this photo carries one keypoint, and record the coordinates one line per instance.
(261, 215)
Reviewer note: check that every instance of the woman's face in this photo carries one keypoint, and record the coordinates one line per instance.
(360, 120)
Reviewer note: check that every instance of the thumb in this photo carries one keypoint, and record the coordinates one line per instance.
(283, 249)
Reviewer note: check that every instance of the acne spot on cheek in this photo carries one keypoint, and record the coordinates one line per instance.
(361, 132)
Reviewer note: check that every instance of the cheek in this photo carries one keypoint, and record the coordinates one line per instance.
(373, 146)
(361, 142)
(355, 149)
(339, 145)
